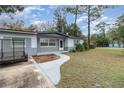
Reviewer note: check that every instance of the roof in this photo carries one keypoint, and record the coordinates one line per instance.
(16, 31)
(60, 33)
(43, 32)
(54, 32)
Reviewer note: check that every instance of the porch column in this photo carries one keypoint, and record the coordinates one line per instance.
(34, 42)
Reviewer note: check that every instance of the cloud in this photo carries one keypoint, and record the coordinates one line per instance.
(29, 10)
(82, 18)
(37, 22)
(33, 8)
(5, 19)
(53, 6)
(103, 18)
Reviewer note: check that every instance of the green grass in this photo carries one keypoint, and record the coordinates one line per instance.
(100, 67)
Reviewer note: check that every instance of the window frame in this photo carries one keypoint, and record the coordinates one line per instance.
(48, 42)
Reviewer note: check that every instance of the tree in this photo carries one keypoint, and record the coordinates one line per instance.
(113, 35)
(121, 33)
(99, 40)
(75, 10)
(18, 25)
(120, 20)
(101, 27)
(11, 9)
(120, 24)
(93, 13)
(75, 31)
(31, 28)
(93, 38)
(47, 26)
(44, 26)
(59, 19)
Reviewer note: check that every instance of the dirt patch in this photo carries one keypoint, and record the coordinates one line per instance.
(45, 58)
(23, 75)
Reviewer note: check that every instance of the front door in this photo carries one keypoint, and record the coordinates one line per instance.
(61, 45)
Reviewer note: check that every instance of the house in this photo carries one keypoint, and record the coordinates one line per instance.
(39, 42)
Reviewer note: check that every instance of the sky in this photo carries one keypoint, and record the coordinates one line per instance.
(40, 14)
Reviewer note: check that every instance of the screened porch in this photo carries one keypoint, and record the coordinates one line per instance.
(12, 50)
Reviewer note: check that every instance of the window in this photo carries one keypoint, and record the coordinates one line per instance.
(43, 42)
(47, 42)
(52, 42)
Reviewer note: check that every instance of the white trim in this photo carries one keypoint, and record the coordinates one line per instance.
(62, 45)
(48, 42)
(33, 42)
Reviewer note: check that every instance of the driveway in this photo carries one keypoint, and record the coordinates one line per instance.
(23, 75)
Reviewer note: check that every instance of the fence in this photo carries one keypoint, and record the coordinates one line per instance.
(12, 50)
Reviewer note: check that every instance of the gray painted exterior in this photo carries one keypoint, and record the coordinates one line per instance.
(47, 49)
(50, 36)
(32, 41)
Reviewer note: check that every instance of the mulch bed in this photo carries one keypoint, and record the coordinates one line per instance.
(45, 58)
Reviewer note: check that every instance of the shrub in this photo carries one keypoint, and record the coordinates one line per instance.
(92, 46)
(102, 42)
(85, 45)
(79, 47)
(73, 50)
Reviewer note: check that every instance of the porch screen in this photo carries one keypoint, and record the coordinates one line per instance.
(19, 42)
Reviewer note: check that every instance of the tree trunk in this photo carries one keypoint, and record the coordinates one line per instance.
(112, 43)
(89, 26)
(75, 21)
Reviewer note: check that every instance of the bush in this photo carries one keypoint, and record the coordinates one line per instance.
(92, 46)
(79, 47)
(85, 45)
(73, 50)
(102, 42)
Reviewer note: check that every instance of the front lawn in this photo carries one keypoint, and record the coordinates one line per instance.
(100, 67)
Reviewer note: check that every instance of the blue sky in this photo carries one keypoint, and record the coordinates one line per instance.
(39, 14)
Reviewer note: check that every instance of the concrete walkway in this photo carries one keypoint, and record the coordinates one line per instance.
(52, 68)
